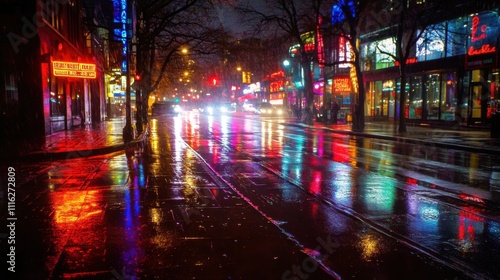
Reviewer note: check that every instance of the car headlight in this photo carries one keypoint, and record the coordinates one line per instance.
(223, 109)
(210, 110)
(280, 112)
(177, 109)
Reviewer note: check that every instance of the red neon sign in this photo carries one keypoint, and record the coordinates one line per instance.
(74, 69)
(475, 25)
(486, 48)
(408, 61)
(478, 34)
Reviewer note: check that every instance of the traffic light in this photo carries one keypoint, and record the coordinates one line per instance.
(213, 81)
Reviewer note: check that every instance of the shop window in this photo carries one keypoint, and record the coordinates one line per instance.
(449, 99)
(431, 43)
(76, 102)
(457, 33)
(415, 103)
(370, 110)
(494, 105)
(379, 54)
(385, 50)
(378, 100)
(57, 101)
(432, 87)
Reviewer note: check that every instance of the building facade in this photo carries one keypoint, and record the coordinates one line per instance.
(453, 71)
(453, 67)
(51, 71)
(58, 64)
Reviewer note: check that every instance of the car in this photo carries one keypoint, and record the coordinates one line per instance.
(220, 108)
(165, 108)
(267, 109)
(248, 107)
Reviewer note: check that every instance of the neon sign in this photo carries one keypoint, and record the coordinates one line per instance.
(481, 41)
(74, 69)
(408, 61)
(475, 25)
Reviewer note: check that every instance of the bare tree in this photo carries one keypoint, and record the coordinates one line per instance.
(164, 29)
(349, 22)
(294, 19)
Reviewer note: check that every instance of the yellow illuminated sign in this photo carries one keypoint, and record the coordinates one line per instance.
(74, 69)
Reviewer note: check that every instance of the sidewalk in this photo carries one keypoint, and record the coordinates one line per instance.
(95, 139)
(461, 138)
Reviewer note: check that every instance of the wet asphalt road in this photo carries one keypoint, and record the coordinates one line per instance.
(247, 198)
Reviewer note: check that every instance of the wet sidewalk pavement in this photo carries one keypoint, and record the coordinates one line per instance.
(99, 138)
(461, 138)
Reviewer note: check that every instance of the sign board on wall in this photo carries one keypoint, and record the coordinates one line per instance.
(482, 50)
(74, 69)
(342, 85)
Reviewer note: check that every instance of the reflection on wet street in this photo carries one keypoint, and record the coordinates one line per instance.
(240, 197)
(391, 193)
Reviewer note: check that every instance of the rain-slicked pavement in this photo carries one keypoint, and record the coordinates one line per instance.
(252, 200)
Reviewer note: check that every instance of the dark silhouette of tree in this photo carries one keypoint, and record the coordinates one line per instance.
(294, 19)
(164, 29)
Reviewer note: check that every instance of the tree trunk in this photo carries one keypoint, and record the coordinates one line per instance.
(309, 94)
(358, 116)
(402, 98)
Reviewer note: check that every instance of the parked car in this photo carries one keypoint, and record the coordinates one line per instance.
(165, 108)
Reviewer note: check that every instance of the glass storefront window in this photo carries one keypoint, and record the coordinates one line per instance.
(57, 100)
(374, 54)
(495, 94)
(384, 60)
(449, 99)
(370, 96)
(378, 101)
(457, 30)
(415, 105)
(432, 87)
(431, 44)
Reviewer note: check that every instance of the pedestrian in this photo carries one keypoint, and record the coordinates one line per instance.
(315, 112)
(335, 111)
(323, 113)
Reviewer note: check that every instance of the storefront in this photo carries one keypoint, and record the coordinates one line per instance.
(450, 79)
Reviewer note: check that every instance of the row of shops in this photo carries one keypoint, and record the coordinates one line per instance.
(453, 76)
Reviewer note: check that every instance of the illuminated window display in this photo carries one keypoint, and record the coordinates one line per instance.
(415, 104)
(375, 54)
(433, 96)
(449, 98)
(431, 44)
